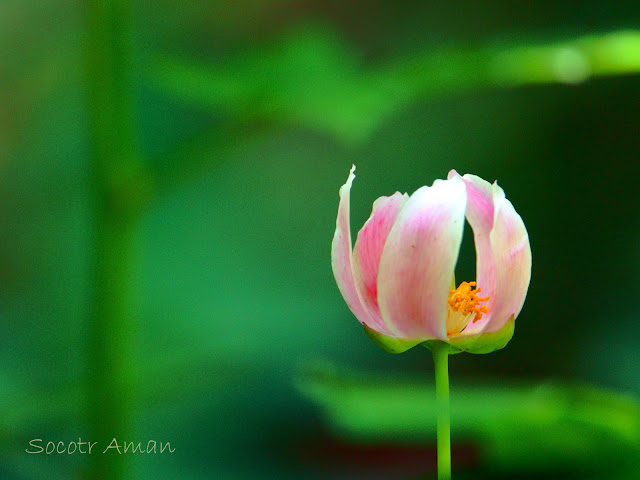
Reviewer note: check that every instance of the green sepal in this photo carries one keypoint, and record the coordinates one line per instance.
(390, 344)
(483, 342)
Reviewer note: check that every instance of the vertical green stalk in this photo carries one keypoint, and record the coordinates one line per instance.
(440, 352)
(119, 184)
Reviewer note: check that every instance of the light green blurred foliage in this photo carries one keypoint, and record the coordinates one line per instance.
(544, 427)
(311, 78)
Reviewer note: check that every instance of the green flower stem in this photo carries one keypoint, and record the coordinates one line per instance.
(440, 352)
(119, 184)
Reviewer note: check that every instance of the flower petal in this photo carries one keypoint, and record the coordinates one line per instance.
(512, 253)
(480, 213)
(503, 267)
(342, 258)
(418, 261)
(368, 250)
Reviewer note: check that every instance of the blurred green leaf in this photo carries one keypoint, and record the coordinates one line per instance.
(515, 425)
(312, 78)
(571, 61)
(309, 78)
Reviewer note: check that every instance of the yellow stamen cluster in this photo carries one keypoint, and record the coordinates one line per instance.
(465, 300)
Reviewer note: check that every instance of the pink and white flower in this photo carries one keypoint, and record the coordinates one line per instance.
(397, 279)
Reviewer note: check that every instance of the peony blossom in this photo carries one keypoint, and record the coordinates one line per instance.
(397, 278)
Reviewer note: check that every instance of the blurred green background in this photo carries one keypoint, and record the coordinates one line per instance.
(169, 178)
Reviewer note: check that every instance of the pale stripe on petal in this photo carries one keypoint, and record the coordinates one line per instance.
(418, 261)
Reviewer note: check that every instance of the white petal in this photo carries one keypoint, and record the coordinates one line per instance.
(418, 261)
(342, 257)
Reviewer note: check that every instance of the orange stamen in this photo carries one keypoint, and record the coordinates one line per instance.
(465, 299)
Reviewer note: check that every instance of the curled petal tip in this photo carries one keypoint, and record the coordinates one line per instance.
(453, 174)
(350, 178)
